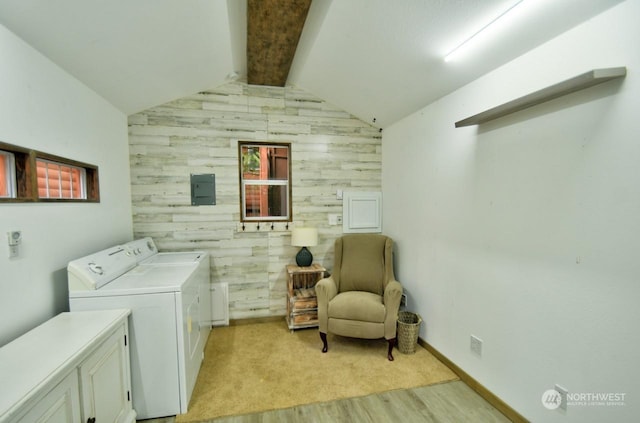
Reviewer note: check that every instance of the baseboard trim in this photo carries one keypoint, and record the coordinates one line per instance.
(491, 398)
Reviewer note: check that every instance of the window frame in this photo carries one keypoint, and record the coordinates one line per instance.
(243, 183)
(26, 176)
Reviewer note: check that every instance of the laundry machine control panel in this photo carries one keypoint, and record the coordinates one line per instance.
(96, 270)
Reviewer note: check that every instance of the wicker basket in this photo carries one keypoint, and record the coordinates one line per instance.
(408, 329)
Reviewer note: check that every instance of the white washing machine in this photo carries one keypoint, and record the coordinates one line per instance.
(145, 252)
(170, 319)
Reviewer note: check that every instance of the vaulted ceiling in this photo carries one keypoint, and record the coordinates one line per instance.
(377, 59)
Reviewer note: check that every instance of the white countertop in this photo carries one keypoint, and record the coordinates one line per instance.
(44, 356)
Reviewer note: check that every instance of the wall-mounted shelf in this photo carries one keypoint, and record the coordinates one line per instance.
(586, 80)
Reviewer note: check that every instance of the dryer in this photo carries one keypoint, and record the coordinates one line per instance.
(169, 323)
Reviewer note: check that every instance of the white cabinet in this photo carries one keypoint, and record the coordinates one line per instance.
(104, 380)
(60, 405)
(72, 368)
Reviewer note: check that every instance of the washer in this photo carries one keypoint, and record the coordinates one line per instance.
(170, 319)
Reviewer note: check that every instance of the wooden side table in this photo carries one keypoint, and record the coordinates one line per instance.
(302, 303)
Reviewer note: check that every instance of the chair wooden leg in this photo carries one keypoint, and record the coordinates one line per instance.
(323, 336)
(392, 342)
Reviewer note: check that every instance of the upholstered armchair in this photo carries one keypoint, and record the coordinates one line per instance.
(361, 298)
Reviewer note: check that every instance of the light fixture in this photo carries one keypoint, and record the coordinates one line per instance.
(304, 237)
(491, 26)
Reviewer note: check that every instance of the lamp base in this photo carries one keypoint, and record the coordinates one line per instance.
(304, 258)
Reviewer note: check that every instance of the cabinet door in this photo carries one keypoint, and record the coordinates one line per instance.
(60, 405)
(104, 380)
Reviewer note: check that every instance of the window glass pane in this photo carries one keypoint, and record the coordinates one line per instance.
(76, 186)
(278, 200)
(7, 175)
(4, 183)
(255, 200)
(265, 162)
(250, 162)
(278, 163)
(53, 180)
(266, 200)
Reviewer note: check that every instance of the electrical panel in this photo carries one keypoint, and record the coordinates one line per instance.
(203, 189)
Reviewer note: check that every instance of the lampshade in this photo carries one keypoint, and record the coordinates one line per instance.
(304, 237)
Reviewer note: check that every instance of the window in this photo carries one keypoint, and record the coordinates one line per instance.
(7, 175)
(57, 180)
(28, 176)
(265, 181)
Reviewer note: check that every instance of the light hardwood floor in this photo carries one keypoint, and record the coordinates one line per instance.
(441, 403)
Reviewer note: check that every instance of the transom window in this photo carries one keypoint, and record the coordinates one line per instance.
(58, 180)
(30, 176)
(265, 181)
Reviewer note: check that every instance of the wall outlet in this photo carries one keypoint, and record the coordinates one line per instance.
(14, 251)
(476, 345)
(403, 300)
(14, 239)
(335, 219)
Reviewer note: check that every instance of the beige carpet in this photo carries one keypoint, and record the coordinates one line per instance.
(259, 367)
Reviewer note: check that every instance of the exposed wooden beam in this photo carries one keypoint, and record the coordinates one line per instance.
(273, 31)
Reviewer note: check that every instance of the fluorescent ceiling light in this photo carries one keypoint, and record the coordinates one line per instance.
(484, 33)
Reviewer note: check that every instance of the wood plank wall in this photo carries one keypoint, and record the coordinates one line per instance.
(331, 150)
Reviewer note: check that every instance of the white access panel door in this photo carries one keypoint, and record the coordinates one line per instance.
(220, 304)
(362, 212)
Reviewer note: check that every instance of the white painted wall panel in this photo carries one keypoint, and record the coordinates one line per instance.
(524, 231)
(44, 108)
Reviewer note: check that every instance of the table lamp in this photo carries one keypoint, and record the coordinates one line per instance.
(304, 237)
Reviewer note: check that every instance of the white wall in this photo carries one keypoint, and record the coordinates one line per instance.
(44, 108)
(525, 231)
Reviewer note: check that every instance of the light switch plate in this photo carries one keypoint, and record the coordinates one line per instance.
(14, 237)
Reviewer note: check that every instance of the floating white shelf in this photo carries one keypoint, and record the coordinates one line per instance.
(586, 80)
